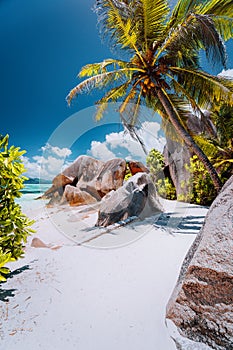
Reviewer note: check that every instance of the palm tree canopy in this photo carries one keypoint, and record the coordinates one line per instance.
(163, 71)
(164, 47)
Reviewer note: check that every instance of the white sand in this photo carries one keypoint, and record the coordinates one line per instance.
(85, 298)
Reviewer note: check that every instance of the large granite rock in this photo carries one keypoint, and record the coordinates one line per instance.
(201, 306)
(111, 176)
(58, 185)
(75, 196)
(88, 175)
(84, 169)
(137, 197)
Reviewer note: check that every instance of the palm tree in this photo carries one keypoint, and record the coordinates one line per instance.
(163, 70)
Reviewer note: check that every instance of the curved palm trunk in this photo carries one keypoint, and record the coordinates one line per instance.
(188, 139)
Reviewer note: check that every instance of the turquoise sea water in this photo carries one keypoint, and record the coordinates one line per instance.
(29, 194)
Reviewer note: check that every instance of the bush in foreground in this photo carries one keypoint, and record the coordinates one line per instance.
(14, 225)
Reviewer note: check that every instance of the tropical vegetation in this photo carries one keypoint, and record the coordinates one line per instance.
(14, 225)
(162, 69)
(164, 185)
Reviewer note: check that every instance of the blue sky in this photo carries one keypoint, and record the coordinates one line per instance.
(44, 43)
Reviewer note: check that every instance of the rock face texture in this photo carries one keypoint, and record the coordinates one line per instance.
(137, 167)
(59, 183)
(74, 196)
(86, 181)
(201, 306)
(111, 176)
(84, 169)
(137, 197)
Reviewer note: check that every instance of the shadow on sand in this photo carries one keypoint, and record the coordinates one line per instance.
(5, 294)
(180, 224)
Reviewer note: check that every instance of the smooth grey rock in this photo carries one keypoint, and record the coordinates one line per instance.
(137, 197)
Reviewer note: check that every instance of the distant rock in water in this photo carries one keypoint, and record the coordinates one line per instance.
(137, 197)
(201, 307)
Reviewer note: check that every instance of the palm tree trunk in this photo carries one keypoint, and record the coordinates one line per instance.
(188, 139)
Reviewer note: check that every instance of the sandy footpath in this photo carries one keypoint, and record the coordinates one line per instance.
(109, 293)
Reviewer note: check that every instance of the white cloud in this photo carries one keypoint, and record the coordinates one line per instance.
(32, 168)
(59, 152)
(100, 151)
(51, 163)
(122, 145)
(227, 73)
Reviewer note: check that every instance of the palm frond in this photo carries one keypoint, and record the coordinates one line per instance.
(194, 33)
(100, 109)
(217, 164)
(207, 125)
(216, 8)
(117, 23)
(223, 120)
(213, 43)
(115, 93)
(100, 81)
(181, 108)
(203, 87)
(150, 17)
(205, 117)
(224, 26)
(181, 10)
(128, 99)
(97, 68)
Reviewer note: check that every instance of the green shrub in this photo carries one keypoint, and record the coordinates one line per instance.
(164, 186)
(202, 190)
(14, 225)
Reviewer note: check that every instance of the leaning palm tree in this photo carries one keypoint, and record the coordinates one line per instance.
(163, 70)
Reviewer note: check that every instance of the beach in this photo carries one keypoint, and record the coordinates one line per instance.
(108, 292)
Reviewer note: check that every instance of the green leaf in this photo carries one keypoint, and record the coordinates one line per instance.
(217, 89)
(149, 20)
